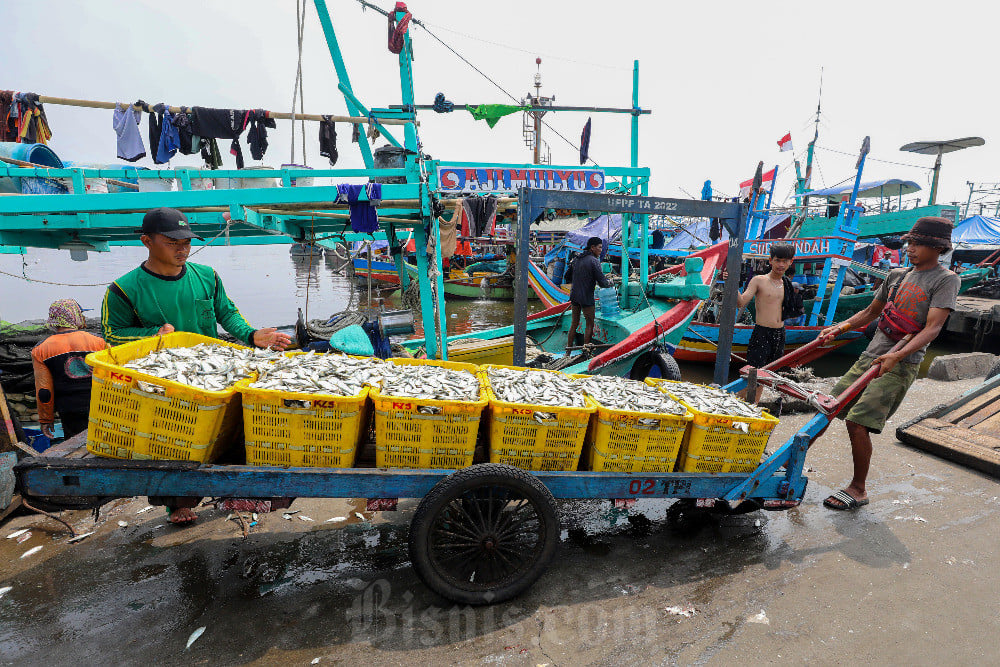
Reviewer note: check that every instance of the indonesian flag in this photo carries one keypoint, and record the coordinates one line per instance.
(785, 143)
(746, 185)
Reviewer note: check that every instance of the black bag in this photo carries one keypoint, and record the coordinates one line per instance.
(791, 303)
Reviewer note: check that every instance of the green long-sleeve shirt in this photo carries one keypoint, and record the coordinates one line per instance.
(140, 302)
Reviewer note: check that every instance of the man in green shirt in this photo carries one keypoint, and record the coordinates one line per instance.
(166, 293)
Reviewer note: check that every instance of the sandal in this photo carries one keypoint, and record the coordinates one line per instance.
(842, 501)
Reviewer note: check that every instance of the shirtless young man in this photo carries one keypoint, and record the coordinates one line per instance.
(767, 342)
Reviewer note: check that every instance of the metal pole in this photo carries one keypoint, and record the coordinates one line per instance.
(727, 315)
(934, 183)
(523, 224)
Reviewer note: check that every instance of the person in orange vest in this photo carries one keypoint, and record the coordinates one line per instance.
(62, 378)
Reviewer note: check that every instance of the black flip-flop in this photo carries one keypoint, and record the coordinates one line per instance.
(845, 502)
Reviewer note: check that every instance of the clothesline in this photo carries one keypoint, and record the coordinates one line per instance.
(279, 115)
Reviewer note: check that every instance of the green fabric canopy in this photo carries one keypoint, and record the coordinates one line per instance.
(491, 113)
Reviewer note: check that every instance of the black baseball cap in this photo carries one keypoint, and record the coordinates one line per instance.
(168, 221)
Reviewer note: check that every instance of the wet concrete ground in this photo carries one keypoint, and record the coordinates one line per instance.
(910, 579)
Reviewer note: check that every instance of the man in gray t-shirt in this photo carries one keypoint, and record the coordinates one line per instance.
(917, 301)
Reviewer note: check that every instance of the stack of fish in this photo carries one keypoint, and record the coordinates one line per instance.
(535, 387)
(433, 382)
(203, 366)
(311, 373)
(619, 393)
(713, 401)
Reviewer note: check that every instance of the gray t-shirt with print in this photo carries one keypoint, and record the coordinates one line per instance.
(918, 292)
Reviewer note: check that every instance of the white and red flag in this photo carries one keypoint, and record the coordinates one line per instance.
(764, 181)
(785, 143)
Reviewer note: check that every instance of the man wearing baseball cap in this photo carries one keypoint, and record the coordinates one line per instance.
(913, 301)
(167, 293)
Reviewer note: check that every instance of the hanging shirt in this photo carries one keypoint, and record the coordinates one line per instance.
(364, 215)
(328, 140)
(140, 302)
(168, 139)
(62, 378)
(126, 124)
(222, 124)
(482, 213)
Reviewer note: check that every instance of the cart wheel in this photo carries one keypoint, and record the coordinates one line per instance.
(686, 518)
(484, 534)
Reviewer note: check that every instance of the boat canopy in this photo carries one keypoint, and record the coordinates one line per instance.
(887, 187)
(977, 230)
(607, 227)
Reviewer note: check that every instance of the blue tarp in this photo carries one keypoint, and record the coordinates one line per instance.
(607, 227)
(977, 230)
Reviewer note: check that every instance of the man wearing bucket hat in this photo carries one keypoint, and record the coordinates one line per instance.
(913, 304)
(62, 379)
(166, 293)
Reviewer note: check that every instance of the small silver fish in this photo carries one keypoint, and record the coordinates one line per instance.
(194, 637)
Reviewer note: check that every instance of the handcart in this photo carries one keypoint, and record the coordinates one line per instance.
(480, 535)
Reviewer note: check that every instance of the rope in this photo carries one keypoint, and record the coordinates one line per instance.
(300, 24)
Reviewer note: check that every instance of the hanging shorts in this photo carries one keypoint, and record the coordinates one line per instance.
(881, 398)
(766, 345)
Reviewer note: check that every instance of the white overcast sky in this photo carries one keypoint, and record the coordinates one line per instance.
(725, 80)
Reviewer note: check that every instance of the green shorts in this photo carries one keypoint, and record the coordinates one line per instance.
(881, 398)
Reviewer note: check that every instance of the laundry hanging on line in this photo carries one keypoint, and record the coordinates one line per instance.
(126, 124)
(479, 215)
(328, 140)
(492, 113)
(364, 214)
(25, 115)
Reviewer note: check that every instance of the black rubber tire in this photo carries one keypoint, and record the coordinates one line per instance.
(994, 371)
(685, 518)
(665, 366)
(457, 503)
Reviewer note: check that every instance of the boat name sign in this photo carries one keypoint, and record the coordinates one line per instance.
(818, 246)
(504, 179)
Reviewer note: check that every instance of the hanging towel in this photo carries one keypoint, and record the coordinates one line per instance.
(222, 124)
(126, 124)
(328, 140)
(364, 215)
(492, 113)
(257, 125)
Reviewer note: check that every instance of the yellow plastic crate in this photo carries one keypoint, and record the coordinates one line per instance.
(535, 437)
(284, 428)
(719, 443)
(138, 416)
(631, 441)
(426, 433)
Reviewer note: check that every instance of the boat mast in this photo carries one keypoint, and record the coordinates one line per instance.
(802, 184)
(533, 118)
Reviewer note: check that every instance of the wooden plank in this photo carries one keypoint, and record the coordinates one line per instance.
(67, 447)
(989, 400)
(15, 504)
(962, 446)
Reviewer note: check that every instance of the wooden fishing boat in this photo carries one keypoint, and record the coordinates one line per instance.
(637, 341)
(472, 284)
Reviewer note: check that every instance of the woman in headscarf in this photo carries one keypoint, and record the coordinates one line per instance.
(62, 378)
